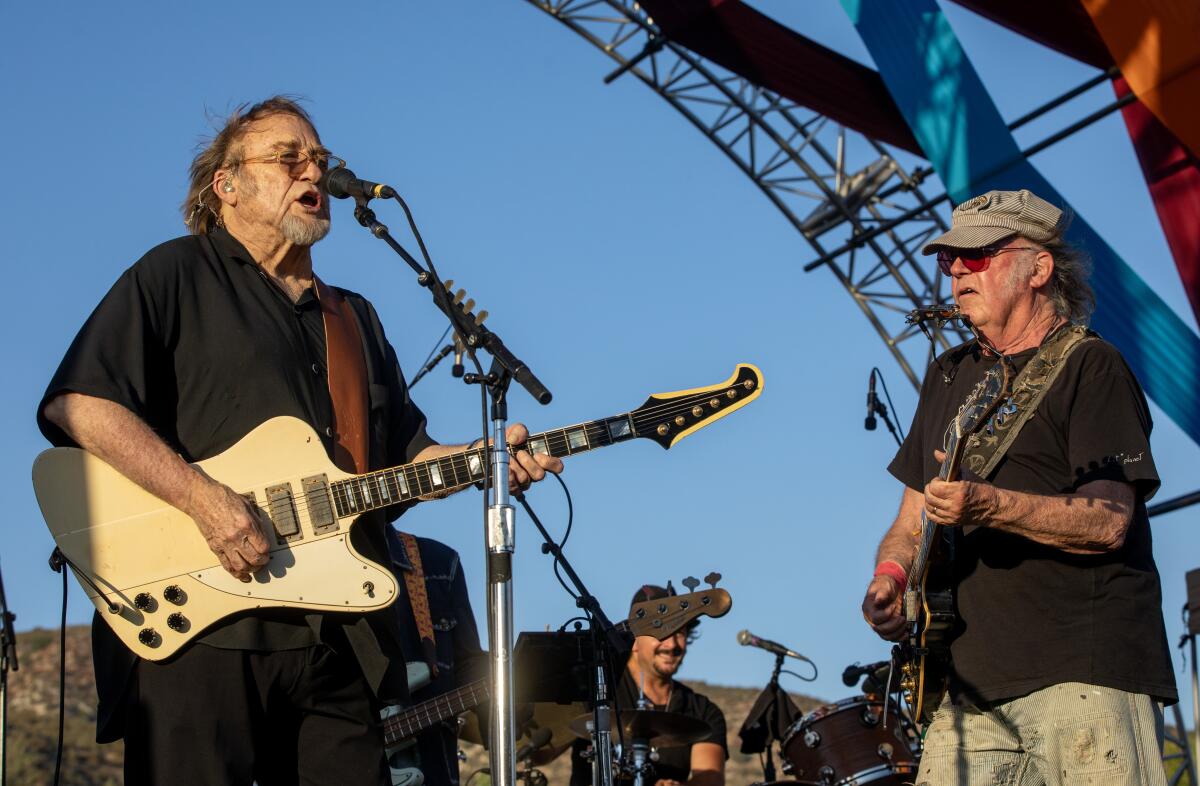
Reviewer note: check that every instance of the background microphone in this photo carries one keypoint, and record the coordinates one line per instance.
(341, 183)
(748, 639)
(872, 404)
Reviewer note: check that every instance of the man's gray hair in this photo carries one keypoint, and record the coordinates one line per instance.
(1070, 291)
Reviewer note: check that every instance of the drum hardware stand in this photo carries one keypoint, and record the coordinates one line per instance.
(500, 525)
(609, 643)
(8, 658)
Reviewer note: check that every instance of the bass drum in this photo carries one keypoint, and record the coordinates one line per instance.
(846, 744)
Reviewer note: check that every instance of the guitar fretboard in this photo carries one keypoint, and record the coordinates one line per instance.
(428, 713)
(385, 487)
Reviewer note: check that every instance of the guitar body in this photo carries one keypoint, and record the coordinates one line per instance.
(134, 546)
(929, 604)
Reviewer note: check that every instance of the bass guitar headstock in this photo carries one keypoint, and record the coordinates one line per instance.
(663, 616)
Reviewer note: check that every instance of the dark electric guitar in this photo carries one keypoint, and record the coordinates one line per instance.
(658, 618)
(929, 605)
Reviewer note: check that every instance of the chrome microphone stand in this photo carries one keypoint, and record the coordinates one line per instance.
(500, 522)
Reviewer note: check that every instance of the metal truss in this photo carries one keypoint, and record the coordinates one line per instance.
(838, 188)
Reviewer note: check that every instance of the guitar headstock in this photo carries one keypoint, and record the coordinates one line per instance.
(667, 418)
(663, 616)
(975, 412)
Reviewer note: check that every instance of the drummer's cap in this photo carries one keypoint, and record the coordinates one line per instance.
(654, 592)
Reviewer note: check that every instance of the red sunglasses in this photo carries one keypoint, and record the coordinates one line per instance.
(974, 259)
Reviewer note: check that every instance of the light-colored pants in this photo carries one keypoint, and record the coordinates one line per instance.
(1066, 734)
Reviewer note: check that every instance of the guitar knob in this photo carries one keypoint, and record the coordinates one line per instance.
(177, 622)
(174, 594)
(144, 601)
(149, 637)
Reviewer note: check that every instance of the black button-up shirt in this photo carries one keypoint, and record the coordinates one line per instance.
(197, 341)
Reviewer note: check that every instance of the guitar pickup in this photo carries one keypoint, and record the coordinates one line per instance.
(320, 506)
(281, 507)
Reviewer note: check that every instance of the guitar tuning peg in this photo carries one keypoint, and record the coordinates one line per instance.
(459, 295)
(482, 316)
(691, 583)
(712, 579)
(470, 304)
(449, 285)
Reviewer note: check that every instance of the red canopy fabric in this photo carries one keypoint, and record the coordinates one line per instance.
(760, 49)
(1173, 174)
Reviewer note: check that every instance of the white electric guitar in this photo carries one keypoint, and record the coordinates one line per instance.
(155, 581)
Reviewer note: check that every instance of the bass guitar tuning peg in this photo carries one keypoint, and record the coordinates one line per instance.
(482, 316)
(449, 285)
(470, 304)
(712, 579)
(691, 583)
(459, 295)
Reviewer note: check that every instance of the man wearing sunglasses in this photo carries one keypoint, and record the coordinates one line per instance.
(202, 340)
(1061, 654)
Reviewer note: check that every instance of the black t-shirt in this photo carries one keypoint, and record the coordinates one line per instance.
(673, 763)
(1035, 616)
(200, 344)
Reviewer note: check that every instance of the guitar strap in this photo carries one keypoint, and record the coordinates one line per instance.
(987, 446)
(347, 374)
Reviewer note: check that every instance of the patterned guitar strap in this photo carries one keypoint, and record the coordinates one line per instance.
(987, 446)
(347, 373)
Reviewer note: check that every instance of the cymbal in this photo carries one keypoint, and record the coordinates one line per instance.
(546, 715)
(663, 729)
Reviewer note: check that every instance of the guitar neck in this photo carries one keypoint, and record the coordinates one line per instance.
(427, 714)
(406, 482)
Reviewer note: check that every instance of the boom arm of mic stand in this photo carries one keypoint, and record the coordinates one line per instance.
(472, 335)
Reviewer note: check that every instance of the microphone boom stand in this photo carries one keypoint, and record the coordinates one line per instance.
(500, 524)
(608, 643)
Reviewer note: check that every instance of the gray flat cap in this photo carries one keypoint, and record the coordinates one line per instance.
(986, 220)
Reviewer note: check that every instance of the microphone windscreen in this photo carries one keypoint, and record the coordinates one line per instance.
(744, 637)
(336, 182)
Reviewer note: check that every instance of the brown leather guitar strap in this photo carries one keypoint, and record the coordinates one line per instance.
(347, 374)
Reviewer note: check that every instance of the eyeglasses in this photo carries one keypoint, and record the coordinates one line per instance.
(297, 160)
(975, 259)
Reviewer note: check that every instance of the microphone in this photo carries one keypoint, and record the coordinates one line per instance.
(537, 739)
(341, 183)
(457, 369)
(872, 404)
(748, 639)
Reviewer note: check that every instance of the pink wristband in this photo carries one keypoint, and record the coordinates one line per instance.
(894, 571)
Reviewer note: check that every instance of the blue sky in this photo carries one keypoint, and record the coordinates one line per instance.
(619, 252)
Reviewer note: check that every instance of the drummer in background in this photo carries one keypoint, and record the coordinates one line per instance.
(656, 663)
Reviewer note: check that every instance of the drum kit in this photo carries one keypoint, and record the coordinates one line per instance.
(852, 742)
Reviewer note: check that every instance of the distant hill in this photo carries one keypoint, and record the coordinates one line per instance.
(33, 719)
